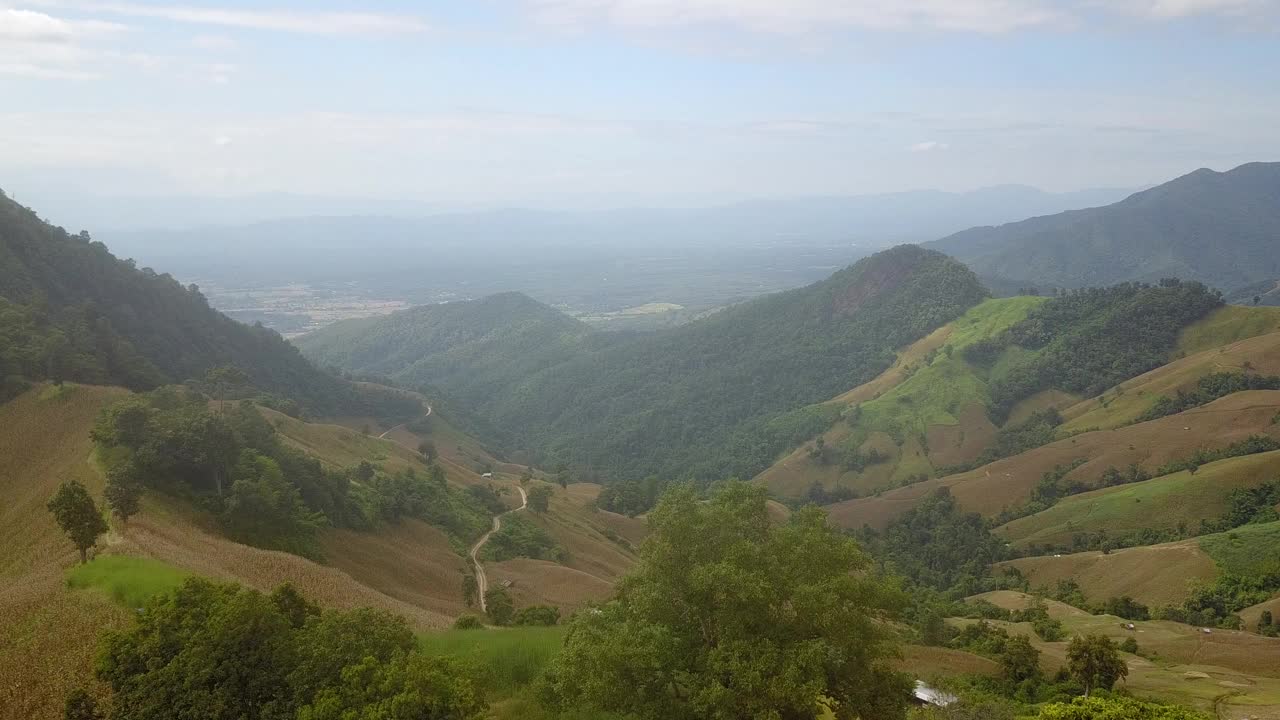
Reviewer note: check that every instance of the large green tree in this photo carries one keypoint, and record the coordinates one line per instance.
(1095, 661)
(78, 516)
(728, 616)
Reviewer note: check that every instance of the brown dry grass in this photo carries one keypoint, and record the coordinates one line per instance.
(937, 662)
(1014, 600)
(1153, 575)
(1008, 482)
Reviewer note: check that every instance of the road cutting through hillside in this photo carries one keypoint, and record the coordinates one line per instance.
(384, 435)
(482, 582)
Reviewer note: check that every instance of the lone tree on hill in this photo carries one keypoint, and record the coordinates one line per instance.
(223, 380)
(540, 499)
(499, 606)
(124, 491)
(78, 516)
(1095, 662)
(729, 616)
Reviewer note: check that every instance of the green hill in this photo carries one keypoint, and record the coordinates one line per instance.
(1218, 228)
(709, 399)
(70, 310)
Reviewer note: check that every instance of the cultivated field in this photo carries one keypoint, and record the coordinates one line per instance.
(1008, 482)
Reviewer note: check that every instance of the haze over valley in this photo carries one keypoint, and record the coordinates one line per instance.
(640, 360)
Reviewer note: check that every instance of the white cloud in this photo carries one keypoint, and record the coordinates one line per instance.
(214, 42)
(1173, 9)
(31, 27)
(793, 16)
(928, 146)
(295, 21)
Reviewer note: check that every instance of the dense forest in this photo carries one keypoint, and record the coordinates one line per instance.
(70, 310)
(1085, 341)
(710, 399)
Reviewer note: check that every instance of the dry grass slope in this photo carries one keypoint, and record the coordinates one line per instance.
(1008, 482)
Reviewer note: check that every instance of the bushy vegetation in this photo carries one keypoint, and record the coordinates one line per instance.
(221, 651)
(520, 537)
(1116, 708)
(753, 619)
(263, 492)
(1209, 388)
(507, 660)
(937, 545)
(1249, 446)
(1086, 341)
(70, 310)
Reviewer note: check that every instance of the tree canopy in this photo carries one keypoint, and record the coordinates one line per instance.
(78, 516)
(727, 616)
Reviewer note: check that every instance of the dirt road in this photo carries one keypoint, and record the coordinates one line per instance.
(482, 582)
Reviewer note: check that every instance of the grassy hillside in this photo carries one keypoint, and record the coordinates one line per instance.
(1226, 325)
(711, 398)
(927, 410)
(1162, 503)
(1126, 402)
(1219, 228)
(1008, 483)
(409, 568)
(71, 310)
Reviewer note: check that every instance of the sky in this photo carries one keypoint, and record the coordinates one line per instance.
(561, 103)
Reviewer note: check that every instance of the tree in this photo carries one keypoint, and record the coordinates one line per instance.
(728, 616)
(222, 380)
(124, 490)
(80, 705)
(540, 499)
(499, 606)
(1020, 660)
(469, 589)
(468, 622)
(1095, 662)
(427, 450)
(543, 615)
(408, 685)
(78, 516)
(1116, 708)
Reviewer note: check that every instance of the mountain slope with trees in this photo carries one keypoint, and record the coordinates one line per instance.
(718, 397)
(1222, 229)
(70, 310)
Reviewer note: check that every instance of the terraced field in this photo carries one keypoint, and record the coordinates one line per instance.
(1008, 482)
(1162, 503)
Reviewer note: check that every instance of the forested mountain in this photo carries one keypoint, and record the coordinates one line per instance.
(709, 399)
(1222, 229)
(498, 339)
(70, 310)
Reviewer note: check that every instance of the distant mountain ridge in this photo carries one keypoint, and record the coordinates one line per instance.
(711, 399)
(1222, 229)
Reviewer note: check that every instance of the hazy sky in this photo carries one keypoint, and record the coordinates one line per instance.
(525, 101)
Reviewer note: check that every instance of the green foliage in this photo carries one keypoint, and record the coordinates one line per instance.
(1127, 608)
(1116, 708)
(729, 616)
(1086, 341)
(78, 516)
(630, 497)
(1129, 645)
(1209, 388)
(1095, 662)
(1249, 446)
(468, 622)
(708, 399)
(130, 581)
(938, 545)
(507, 660)
(499, 606)
(80, 705)
(540, 499)
(1041, 428)
(1020, 661)
(521, 537)
(123, 492)
(266, 511)
(1048, 629)
(220, 651)
(540, 615)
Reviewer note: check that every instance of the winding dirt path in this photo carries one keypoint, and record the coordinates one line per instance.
(482, 582)
(384, 435)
